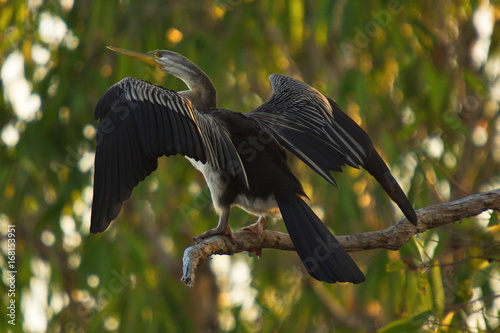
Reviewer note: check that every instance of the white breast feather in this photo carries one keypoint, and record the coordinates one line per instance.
(216, 184)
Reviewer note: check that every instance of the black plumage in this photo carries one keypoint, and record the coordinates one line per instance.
(242, 156)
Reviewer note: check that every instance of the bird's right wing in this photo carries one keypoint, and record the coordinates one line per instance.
(140, 122)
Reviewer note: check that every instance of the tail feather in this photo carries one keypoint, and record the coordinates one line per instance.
(376, 166)
(320, 252)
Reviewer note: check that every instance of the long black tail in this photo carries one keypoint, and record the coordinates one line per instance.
(376, 166)
(320, 252)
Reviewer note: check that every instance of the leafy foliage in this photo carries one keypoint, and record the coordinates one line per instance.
(420, 77)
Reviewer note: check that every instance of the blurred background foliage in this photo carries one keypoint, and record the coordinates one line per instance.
(422, 77)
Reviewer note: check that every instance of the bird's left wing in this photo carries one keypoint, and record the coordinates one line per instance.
(312, 127)
(140, 122)
(316, 130)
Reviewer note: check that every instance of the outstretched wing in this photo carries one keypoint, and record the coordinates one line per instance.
(140, 122)
(313, 128)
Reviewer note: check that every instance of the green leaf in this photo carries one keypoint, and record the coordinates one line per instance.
(438, 293)
(493, 219)
(412, 324)
(395, 266)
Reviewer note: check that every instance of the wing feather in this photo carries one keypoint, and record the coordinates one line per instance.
(312, 127)
(140, 122)
(317, 131)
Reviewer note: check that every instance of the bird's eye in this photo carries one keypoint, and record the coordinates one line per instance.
(158, 54)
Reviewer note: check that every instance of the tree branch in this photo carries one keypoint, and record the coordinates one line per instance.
(392, 238)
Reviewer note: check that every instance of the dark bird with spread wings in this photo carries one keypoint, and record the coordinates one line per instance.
(242, 156)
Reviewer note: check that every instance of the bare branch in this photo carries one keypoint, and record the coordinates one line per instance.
(392, 238)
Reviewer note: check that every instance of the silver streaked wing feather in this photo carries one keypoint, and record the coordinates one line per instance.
(312, 127)
(140, 122)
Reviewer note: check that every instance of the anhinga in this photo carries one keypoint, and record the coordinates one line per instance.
(242, 156)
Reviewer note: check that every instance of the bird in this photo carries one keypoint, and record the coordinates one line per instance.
(242, 156)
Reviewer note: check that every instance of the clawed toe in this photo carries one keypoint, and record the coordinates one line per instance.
(222, 229)
(258, 227)
(216, 231)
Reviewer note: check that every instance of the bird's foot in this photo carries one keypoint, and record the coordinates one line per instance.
(258, 229)
(220, 230)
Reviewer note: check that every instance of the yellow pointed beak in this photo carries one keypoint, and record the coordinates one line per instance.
(146, 57)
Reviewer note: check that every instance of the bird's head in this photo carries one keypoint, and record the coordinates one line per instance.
(202, 91)
(163, 59)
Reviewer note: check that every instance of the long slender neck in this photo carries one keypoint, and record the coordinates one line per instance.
(201, 91)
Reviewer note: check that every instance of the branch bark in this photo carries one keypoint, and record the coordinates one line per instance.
(392, 238)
